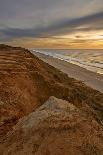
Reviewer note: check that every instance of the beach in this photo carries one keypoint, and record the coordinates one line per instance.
(91, 79)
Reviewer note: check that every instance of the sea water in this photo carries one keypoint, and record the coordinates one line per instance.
(90, 59)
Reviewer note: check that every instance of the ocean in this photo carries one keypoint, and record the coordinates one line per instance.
(89, 59)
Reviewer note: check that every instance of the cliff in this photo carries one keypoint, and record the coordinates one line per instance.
(27, 82)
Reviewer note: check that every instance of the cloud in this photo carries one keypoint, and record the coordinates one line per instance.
(43, 18)
(27, 13)
(62, 26)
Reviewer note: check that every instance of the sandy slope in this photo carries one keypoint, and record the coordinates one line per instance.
(89, 78)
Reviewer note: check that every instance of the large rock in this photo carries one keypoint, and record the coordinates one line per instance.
(56, 128)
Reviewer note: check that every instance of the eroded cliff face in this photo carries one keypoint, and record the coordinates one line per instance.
(26, 83)
(57, 127)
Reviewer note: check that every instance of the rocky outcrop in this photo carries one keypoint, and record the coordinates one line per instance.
(56, 128)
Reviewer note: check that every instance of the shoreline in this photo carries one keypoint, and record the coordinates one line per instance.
(89, 78)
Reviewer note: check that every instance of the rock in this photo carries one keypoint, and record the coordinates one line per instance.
(55, 128)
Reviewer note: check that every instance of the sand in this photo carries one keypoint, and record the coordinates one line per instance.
(55, 128)
(91, 79)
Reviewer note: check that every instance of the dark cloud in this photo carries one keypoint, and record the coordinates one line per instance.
(57, 27)
(78, 36)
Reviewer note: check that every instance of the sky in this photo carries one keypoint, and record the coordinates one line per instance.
(52, 23)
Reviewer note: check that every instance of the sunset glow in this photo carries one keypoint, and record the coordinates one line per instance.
(52, 24)
(79, 40)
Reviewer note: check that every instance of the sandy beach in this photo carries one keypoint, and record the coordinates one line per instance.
(91, 79)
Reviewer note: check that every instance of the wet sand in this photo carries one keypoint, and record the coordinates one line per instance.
(91, 79)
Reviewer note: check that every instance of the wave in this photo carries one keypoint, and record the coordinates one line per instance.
(90, 60)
